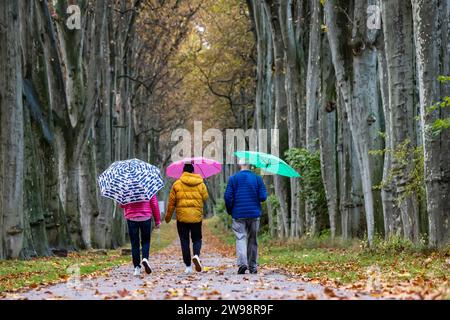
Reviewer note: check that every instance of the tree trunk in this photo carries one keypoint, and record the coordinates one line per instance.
(280, 114)
(103, 137)
(301, 35)
(88, 200)
(11, 132)
(327, 136)
(292, 92)
(391, 214)
(313, 78)
(34, 208)
(55, 107)
(357, 89)
(398, 40)
(264, 97)
(350, 191)
(431, 32)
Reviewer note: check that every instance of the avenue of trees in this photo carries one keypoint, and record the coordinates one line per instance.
(75, 97)
(357, 88)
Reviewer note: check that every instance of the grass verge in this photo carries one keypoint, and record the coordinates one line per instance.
(24, 274)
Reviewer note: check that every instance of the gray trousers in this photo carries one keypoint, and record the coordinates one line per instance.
(246, 232)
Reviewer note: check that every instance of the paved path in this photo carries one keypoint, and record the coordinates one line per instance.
(218, 281)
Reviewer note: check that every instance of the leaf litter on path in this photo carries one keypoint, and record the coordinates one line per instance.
(219, 280)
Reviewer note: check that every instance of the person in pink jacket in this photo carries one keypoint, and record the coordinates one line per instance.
(139, 219)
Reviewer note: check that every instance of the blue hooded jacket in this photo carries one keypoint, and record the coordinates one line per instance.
(244, 194)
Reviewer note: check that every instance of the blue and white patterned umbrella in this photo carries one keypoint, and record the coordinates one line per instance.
(130, 181)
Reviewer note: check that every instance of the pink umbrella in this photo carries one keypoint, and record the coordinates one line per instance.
(202, 166)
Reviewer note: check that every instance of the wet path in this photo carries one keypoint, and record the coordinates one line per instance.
(218, 281)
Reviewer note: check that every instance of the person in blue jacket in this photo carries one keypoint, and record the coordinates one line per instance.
(243, 196)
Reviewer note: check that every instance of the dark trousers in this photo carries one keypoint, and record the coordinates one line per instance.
(195, 230)
(145, 229)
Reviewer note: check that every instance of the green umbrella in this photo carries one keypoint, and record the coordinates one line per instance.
(267, 162)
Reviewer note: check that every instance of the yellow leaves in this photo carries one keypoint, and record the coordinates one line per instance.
(175, 293)
(405, 275)
(204, 286)
(324, 28)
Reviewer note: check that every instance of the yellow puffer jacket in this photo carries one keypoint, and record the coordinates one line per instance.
(187, 195)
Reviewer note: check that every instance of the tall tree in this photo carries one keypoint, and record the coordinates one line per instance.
(280, 112)
(293, 95)
(399, 52)
(391, 214)
(328, 135)
(355, 70)
(431, 34)
(11, 133)
(264, 96)
(312, 94)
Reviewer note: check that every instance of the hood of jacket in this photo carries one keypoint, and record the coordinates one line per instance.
(191, 179)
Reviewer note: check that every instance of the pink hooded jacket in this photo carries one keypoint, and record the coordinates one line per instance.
(144, 210)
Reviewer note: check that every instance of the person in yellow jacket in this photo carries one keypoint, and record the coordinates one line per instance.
(187, 196)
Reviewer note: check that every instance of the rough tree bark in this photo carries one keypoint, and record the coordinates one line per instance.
(11, 132)
(431, 34)
(313, 78)
(54, 105)
(391, 214)
(312, 97)
(264, 97)
(327, 136)
(398, 44)
(293, 85)
(357, 88)
(280, 112)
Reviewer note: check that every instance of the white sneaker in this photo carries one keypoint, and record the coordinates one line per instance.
(146, 265)
(197, 263)
(137, 271)
(188, 270)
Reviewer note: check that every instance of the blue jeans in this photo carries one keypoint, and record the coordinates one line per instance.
(195, 231)
(145, 229)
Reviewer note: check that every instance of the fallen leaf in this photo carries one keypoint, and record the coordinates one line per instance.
(329, 292)
(214, 292)
(123, 293)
